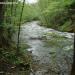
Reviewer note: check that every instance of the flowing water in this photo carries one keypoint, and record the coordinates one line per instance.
(52, 50)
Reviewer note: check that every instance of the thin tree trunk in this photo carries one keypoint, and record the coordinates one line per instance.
(72, 12)
(73, 65)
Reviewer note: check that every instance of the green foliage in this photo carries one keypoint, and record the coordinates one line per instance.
(51, 13)
(55, 13)
(66, 26)
(30, 13)
(7, 29)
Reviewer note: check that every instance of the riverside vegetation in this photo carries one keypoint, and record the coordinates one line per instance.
(56, 14)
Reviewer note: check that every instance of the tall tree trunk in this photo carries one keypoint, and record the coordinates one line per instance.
(1, 12)
(1, 20)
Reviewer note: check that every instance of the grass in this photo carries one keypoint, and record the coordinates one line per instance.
(55, 14)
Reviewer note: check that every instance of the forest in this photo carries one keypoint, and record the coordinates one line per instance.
(37, 38)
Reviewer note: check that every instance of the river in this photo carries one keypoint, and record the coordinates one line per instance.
(52, 50)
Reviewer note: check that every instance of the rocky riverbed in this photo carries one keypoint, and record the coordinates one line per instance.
(52, 51)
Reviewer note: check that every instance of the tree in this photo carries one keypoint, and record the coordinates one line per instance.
(72, 13)
(73, 65)
(1, 11)
(1, 18)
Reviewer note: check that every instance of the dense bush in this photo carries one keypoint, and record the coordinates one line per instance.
(30, 12)
(55, 14)
(11, 19)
